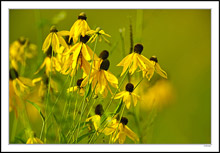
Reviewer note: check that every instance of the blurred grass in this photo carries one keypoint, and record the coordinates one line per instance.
(181, 39)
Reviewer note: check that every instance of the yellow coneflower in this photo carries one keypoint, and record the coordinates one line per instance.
(156, 67)
(120, 131)
(54, 39)
(18, 86)
(77, 88)
(135, 60)
(79, 55)
(100, 78)
(128, 95)
(96, 118)
(47, 63)
(33, 139)
(98, 32)
(80, 27)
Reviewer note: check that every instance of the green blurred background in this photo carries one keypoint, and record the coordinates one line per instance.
(181, 39)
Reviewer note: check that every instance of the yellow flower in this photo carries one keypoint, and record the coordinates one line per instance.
(47, 63)
(159, 95)
(80, 27)
(18, 86)
(77, 88)
(79, 55)
(128, 95)
(100, 78)
(96, 118)
(97, 32)
(33, 139)
(54, 39)
(135, 60)
(156, 67)
(119, 130)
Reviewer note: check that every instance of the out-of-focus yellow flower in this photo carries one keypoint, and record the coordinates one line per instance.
(80, 27)
(156, 67)
(54, 39)
(135, 60)
(33, 139)
(18, 86)
(119, 130)
(98, 32)
(100, 78)
(20, 50)
(47, 63)
(159, 95)
(79, 55)
(43, 87)
(128, 95)
(77, 88)
(96, 118)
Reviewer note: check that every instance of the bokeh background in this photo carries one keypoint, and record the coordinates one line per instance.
(181, 39)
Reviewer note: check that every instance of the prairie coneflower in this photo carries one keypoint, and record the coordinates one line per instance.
(79, 55)
(119, 129)
(77, 88)
(98, 32)
(47, 63)
(135, 60)
(54, 39)
(97, 117)
(100, 78)
(80, 27)
(18, 86)
(128, 95)
(156, 67)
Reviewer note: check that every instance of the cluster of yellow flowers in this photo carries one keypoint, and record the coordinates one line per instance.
(66, 52)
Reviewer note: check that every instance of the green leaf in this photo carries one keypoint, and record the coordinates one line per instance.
(38, 108)
(83, 136)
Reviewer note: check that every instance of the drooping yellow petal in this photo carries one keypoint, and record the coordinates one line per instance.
(111, 79)
(159, 70)
(62, 42)
(47, 42)
(126, 62)
(135, 98)
(85, 52)
(130, 134)
(120, 95)
(134, 64)
(127, 99)
(55, 42)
